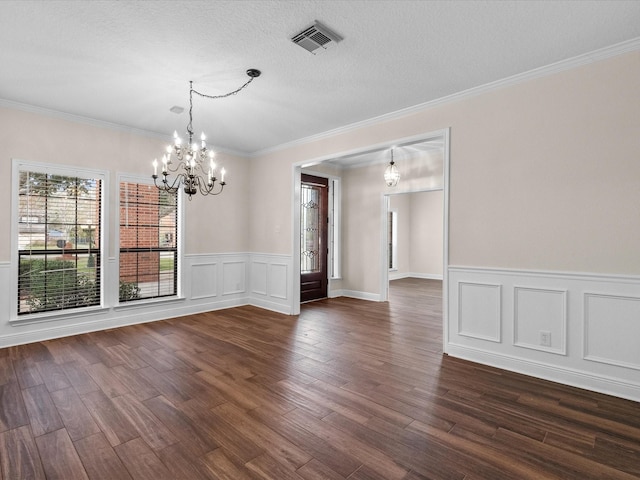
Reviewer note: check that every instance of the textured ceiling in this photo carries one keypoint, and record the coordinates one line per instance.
(129, 62)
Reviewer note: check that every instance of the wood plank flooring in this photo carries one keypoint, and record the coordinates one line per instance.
(348, 390)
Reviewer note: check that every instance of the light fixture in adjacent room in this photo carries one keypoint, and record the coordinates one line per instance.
(190, 165)
(391, 173)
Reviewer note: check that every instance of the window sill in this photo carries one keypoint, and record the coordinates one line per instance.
(137, 304)
(32, 318)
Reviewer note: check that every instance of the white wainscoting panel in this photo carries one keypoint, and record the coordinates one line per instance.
(5, 300)
(209, 282)
(204, 280)
(593, 319)
(233, 275)
(612, 330)
(271, 286)
(259, 278)
(538, 310)
(479, 310)
(279, 285)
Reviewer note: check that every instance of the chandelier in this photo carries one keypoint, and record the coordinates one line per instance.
(391, 173)
(190, 165)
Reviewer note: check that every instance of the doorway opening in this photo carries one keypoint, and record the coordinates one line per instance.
(363, 243)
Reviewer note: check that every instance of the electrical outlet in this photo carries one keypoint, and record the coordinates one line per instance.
(545, 338)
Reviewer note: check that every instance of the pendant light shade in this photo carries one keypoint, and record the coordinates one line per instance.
(391, 173)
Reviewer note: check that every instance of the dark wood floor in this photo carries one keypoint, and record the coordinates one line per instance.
(350, 389)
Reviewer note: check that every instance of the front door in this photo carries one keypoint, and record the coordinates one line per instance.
(314, 208)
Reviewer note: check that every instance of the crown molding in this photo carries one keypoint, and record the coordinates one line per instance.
(70, 117)
(563, 65)
(557, 67)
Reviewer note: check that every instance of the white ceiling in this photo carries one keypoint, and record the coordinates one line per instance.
(128, 62)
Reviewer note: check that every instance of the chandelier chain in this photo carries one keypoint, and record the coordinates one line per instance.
(224, 95)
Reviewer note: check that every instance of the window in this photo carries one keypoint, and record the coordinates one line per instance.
(59, 247)
(334, 227)
(148, 242)
(392, 235)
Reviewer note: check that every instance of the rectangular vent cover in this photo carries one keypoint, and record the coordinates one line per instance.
(316, 38)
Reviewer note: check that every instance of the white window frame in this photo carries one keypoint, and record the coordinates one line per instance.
(335, 230)
(18, 166)
(146, 180)
(393, 240)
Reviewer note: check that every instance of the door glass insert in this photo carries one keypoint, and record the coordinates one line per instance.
(310, 225)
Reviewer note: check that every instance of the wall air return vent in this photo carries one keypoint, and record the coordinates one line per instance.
(316, 39)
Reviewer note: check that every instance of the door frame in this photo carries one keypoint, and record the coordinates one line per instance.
(294, 287)
(324, 232)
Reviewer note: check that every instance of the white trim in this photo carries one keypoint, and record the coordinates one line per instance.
(383, 263)
(595, 277)
(294, 288)
(372, 297)
(585, 331)
(86, 326)
(17, 166)
(498, 327)
(253, 290)
(561, 66)
(445, 240)
(204, 264)
(563, 344)
(271, 306)
(335, 222)
(146, 180)
(147, 302)
(566, 376)
(242, 288)
(286, 269)
(423, 276)
(575, 364)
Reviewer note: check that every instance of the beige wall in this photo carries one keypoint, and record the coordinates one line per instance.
(402, 205)
(426, 247)
(420, 233)
(543, 174)
(212, 225)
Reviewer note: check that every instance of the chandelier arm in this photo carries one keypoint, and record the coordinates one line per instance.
(211, 190)
(165, 186)
(180, 165)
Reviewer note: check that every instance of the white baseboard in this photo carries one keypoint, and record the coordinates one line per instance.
(272, 306)
(425, 276)
(565, 376)
(374, 297)
(50, 330)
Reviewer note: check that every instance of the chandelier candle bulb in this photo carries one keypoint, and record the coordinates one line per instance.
(155, 167)
(222, 172)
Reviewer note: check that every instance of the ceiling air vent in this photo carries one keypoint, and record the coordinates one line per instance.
(316, 39)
